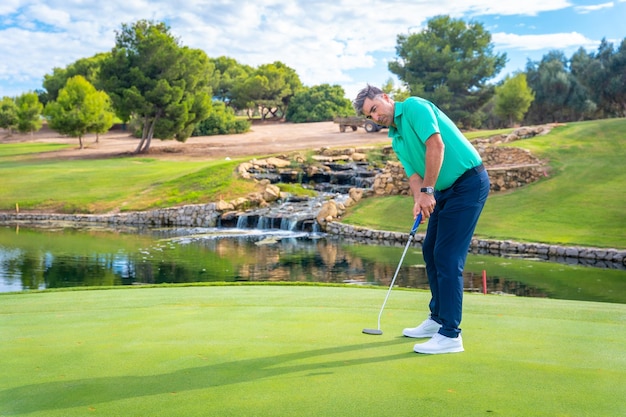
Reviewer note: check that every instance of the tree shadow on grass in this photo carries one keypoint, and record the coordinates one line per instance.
(83, 392)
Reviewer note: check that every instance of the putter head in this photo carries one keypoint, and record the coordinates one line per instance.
(373, 331)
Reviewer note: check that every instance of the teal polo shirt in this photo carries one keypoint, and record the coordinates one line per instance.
(417, 119)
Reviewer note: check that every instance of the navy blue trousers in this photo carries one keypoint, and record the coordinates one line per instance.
(448, 237)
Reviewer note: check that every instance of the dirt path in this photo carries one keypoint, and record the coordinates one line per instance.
(262, 140)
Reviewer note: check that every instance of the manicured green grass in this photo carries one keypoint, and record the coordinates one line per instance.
(299, 351)
(581, 202)
(19, 149)
(486, 133)
(101, 185)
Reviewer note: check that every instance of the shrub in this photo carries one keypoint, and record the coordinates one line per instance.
(221, 121)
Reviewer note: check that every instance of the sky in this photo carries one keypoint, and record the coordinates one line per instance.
(343, 42)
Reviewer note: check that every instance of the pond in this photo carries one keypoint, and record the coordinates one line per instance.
(65, 256)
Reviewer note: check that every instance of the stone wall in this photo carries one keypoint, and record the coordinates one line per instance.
(192, 215)
(598, 257)
(393, 180)
(197, 215)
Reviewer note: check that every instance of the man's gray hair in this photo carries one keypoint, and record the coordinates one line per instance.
(370, 92)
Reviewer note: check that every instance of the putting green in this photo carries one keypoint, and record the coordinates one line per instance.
(262, 350)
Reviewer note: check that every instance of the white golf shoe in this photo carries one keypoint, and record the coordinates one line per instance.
(440, 344)
(428, 328)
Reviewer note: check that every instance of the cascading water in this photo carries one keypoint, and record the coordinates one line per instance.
(298, 215)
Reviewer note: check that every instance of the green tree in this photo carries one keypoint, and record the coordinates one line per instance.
(604, 76)
(87, 67)
(398, 94)
(29, 112)
(449, 63)
(221, 121)
(513, 98)
(104, 116)
(559, 95)
(228, 72)
(79, 109)
(8, 114)
(269, 88)
(319, 103)
(154, 79)
(589, 73)
(616, 89)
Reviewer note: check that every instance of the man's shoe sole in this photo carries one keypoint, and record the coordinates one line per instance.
(420, 335)
(455, 350)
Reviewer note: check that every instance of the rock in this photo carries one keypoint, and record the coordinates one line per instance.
(243, 169)
(327, 213)
(359, 157)
(224, 206)
(356, 194)
(272, 240)
(239, 202)
(271, 193)
(277, 162)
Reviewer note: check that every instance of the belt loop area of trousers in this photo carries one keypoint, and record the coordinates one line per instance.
(469, 173)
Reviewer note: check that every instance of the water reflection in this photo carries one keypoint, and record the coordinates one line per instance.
(67, 257)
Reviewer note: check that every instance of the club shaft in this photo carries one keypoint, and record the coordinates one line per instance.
(393, 281)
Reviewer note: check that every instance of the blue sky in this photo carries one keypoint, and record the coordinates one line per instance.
(345, 42)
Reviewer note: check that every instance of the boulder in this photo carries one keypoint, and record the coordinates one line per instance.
(271, 193)
(359, 157)
(327, 213)
(277, 162)
(222, 205)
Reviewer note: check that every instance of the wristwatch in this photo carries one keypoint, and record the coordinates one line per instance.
(427, 190)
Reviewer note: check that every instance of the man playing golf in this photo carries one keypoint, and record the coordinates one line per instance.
(449, 186)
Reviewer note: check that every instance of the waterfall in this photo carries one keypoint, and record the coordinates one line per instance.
(297, 214)
(288, 224)
(242, 222)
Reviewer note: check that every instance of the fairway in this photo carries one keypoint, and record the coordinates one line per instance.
(262, 350)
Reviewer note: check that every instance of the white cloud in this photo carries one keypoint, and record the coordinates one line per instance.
(540, 42)
(9, 6)
(44, 14)
(527, 7)
(594, 7)
(325, 41)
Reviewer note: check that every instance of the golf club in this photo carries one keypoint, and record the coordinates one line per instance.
(408, 243)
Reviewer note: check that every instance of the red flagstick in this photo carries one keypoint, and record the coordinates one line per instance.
(484, 282)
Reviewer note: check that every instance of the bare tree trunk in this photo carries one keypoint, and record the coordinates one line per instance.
(148, 140)
(80, 141)
(138, 148)
(144, 134)
(146, 147)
